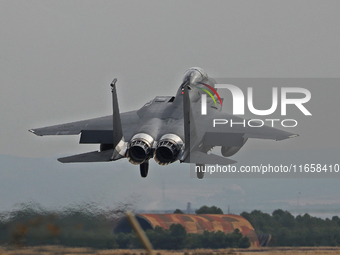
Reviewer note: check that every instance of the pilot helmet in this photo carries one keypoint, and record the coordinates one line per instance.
(195, 74)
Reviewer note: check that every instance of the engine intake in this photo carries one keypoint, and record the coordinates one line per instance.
(140, 148)
(167, 149)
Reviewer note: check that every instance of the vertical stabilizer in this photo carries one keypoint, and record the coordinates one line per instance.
(190, 133)
(118, 138)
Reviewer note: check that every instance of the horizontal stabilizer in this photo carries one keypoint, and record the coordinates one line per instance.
(93, 156)
(198, 157)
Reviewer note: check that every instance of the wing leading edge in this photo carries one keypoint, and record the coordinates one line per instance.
(129, 121)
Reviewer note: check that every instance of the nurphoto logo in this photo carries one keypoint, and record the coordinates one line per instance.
(288, 97)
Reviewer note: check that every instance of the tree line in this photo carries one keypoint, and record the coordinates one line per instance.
(302, 230)
(88, 226)
(176, 237)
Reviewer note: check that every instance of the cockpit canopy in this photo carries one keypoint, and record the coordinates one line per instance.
(194, 75)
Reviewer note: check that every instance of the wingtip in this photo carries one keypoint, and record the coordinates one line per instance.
(280, 138)
(61, 160)
(34, 132)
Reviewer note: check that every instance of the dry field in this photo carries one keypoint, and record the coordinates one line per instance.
(46, 250)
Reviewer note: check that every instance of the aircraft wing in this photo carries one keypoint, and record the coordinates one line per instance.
(100, 126)
(199, 157)
(225, 134)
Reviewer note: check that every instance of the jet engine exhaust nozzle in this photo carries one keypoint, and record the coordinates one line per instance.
(167, 149)
(140, 148)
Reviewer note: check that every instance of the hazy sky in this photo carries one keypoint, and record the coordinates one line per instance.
(58, 58)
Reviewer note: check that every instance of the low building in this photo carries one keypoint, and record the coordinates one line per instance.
(194, 223)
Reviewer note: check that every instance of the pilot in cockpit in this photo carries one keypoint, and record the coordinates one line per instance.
(192, 76)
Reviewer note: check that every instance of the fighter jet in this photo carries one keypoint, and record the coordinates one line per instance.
(167, 129)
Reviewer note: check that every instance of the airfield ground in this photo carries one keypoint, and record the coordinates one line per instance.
(47, 250)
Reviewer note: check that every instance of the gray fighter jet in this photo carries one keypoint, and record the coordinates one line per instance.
(167, 129)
